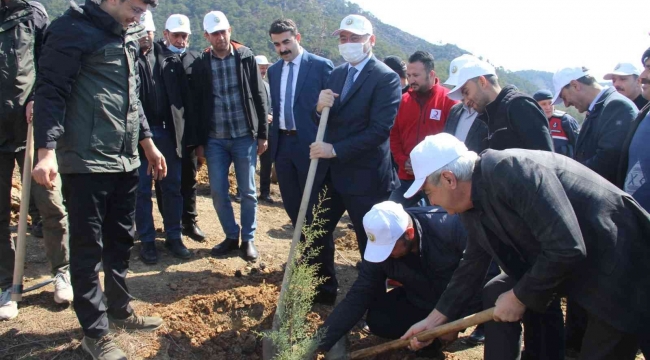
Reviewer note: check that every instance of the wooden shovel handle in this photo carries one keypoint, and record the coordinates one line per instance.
(454, 326)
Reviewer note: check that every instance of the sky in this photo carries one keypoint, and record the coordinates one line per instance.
(524, 34)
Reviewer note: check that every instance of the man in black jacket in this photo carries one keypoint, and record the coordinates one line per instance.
(605, 127)
(164, 93)
(177, 39)
(418, 247)
(555, 228)
(513, 118)
(87, 108)
(231, 127)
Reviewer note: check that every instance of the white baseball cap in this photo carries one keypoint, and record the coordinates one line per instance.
(563, 77)
(431, 155)
(470, 70)
(623, 69)
(456, 65)
(261, 60)
(147, 20)
(355, 24)
(178, 23)
(215, 21)
(385, 223)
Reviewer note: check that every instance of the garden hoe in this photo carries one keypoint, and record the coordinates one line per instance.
(338, 352)
(268, 350)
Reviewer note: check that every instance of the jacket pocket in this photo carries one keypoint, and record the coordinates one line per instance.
(108, 131)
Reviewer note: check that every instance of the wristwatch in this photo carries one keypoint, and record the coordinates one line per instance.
(333, 152)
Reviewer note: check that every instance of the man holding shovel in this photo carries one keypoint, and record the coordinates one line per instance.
(21, 36)
(555, 228)
(364, 96)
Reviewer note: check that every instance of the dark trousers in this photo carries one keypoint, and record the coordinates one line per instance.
(189, 168)
(266, 164)
(391, 314)
(576, 325)
(55, 220)
(292, 168)
(503, 340)
(336, 204)
(102, 213)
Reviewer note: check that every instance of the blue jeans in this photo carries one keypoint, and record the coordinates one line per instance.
(165, 140)
(419, 199)
(242, 152)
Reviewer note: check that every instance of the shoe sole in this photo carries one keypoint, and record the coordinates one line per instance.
(86, 349)
(60, 301)
(9, 318)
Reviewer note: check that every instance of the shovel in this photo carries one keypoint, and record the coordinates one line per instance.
(338, 352)
(19, 266)
(268, 350)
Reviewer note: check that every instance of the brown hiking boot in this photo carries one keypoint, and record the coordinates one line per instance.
(135, 322)
(103, 348)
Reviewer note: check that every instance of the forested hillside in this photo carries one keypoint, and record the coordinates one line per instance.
(316, 20)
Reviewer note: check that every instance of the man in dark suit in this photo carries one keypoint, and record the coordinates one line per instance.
(461, 121)
(555, 228)
(295, 82)
(364, 96)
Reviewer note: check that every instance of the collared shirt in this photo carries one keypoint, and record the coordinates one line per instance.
(465, 122)
(360, 66)
(283, 85)
(593, 103)
(229, 119)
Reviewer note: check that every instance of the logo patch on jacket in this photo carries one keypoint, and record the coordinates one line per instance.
(435, 114)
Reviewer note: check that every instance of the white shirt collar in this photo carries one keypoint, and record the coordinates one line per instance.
(593, 103)
(362, 64)
(298, 59)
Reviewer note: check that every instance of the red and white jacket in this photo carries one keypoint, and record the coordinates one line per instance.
(414, 122)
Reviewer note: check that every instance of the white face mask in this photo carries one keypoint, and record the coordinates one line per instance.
(353, 52)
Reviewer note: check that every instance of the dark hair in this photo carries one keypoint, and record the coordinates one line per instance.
(283, 25)
(492, 79)
(587, 80)
(152, 3)
(397, 65)
(645, 57)
(425, 58)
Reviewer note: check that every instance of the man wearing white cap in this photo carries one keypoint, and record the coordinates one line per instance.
(606, 125)
(625, 79)
(418, 247)
(266, 162)
(146, 42)
(177, 33)
(461, 120)
(363, 95)
(164, 94)
(514, 119)
(230, 128)
(555, 228)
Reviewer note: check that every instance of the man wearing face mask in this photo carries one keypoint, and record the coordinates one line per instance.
(420, 248)
(164, 93)
(177, 40)
(364, 96)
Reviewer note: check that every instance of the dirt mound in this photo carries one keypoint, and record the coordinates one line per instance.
(202, 178)
(347, 241)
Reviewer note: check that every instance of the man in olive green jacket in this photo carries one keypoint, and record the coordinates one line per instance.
(87, 108)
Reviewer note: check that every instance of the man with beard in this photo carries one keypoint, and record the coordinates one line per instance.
(423, 111)
(231, 128)
(513, 118)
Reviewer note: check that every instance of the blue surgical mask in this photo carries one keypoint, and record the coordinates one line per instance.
(176, 50)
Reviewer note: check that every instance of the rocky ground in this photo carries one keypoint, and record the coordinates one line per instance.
(212, 307)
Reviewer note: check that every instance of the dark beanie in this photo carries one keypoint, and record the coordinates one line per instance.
(543, 95)
(397, 65)
(645, 56)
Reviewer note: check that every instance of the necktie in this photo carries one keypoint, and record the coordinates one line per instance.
(288, 106)
(349, 81)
